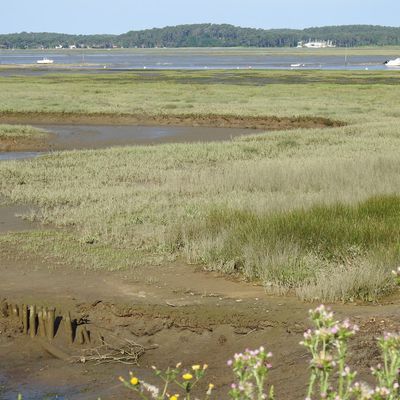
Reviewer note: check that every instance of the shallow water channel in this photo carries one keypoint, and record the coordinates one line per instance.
(80, 137)
(100, 136)
(18, 155)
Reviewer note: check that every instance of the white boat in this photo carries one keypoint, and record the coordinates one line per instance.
(393, 63)
(317, 44)
(45, 61)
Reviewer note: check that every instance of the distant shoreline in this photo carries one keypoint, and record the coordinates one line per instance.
(208, 35)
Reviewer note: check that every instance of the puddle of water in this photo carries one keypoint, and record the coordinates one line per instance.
(18, 155)
(100, 136)
(76, 137)
(34, 395)
(71, 388)
(10, 390)
(9, 222)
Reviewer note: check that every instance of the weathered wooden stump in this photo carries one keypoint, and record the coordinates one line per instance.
(51, 317)
(40, 323)
(25, 318)
(32, 321)
(68, 327)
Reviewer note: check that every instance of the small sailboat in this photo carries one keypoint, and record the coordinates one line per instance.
(45, 60)
(393, 63)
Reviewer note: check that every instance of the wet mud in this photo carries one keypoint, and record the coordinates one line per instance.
(176, 313)
(25, 144)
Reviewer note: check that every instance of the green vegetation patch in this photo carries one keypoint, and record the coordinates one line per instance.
(296, 249)
(337, 95)
(21, 131)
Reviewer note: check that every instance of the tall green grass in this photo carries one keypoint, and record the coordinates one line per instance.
(294, 250)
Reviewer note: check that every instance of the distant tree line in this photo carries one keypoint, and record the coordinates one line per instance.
(210, 35)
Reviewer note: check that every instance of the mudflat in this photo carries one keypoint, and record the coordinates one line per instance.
(177, 313)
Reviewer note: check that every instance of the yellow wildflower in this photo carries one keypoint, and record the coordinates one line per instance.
(210, 389)
(187, 376)
(205, 366)
(134, 381)
(174, 397)
(195, 367)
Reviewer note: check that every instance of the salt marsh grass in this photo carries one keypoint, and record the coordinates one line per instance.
(20, 131)
(312, 212)
(337, 94)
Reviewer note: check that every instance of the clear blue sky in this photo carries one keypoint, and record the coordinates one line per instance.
(118, 16)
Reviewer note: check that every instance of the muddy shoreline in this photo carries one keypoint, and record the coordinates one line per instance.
(204, 321)
(211, 120)
(177, 312)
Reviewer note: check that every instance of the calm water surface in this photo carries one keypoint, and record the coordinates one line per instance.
(101, 136)
(18, 155)
(78, 137)
(196, 59)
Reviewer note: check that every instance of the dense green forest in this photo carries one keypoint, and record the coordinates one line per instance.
(210, 35)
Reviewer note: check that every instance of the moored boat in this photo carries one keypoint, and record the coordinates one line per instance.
(45, 60)
(393, 63)
(317, 44)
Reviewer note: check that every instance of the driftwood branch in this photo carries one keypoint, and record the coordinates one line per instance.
(128, 353)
